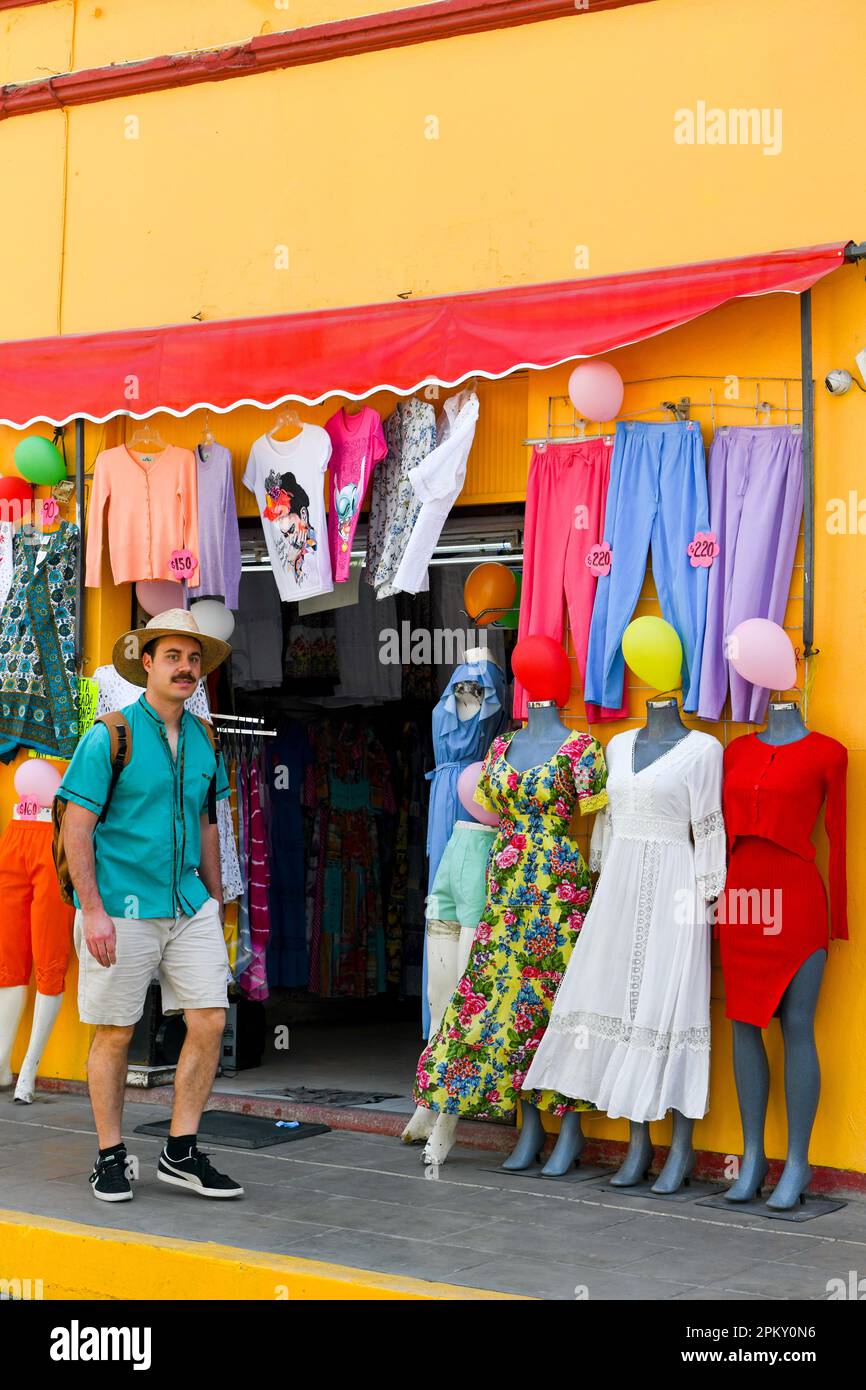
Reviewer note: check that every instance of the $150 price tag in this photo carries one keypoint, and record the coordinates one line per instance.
(182, 563)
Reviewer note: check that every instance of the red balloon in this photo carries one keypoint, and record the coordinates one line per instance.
(16, 499)
(541, 666)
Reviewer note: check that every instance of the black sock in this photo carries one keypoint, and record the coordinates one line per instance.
(115, 1149)
(179, 1145)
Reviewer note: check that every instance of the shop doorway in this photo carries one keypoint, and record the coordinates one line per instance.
(331, 701)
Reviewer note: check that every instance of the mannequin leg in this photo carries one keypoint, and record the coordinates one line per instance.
(443, 972)
(568, 1147)
(639, 1156)
(444, 1132)
(531, 1141)
(45, 1012)
(680, 1161)
(752, 1075)
(12, 1001)
(802, 1078)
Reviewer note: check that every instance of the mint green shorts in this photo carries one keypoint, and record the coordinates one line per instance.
(459, 891)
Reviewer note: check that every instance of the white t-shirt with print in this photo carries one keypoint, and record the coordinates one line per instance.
(288, 479)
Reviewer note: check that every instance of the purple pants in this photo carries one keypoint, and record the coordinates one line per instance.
(756, 502)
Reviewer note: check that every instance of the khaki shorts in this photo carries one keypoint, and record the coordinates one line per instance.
(187, 954)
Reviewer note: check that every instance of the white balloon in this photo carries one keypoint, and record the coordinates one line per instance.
(213, 618)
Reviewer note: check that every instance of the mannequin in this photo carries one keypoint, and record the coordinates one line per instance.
(796, 1010)
(663, 729)
(469, 715)
(37, 927)
(543, 733)
(533, 782)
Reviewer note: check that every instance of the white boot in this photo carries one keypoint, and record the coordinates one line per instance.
(442, 1140)
(419, 1127)
(45, 1012)
(12, 1001)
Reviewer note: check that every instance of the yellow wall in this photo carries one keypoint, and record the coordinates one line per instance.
(551, 136)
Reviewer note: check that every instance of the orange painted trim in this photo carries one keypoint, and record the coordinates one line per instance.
(320, 43)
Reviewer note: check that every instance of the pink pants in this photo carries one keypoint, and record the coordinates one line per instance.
(565, 500)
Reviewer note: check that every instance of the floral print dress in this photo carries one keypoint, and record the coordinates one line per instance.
(538, 892)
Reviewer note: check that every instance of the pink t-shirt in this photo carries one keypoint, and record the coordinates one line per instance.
(357, 445)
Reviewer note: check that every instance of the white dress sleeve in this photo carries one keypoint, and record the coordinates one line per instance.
(600, 840)
(708, 827)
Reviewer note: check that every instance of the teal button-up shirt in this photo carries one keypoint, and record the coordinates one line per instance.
(148, 848)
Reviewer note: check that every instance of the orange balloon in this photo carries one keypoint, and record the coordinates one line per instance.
(489, 591)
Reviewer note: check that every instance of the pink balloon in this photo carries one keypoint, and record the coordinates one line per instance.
(596, 390)
(466, 784)
(158, 595)
(761, 652)
(37, 780)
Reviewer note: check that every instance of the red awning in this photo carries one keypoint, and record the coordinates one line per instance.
(356, 351)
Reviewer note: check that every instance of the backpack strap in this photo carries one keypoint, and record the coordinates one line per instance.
(120, 750)
(214, 740)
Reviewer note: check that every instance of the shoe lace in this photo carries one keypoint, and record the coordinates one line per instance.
(105, 1165)
(202, 1158)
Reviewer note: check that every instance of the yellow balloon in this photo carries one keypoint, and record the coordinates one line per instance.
(654, 652)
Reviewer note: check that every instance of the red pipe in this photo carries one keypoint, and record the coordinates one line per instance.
(320, 43)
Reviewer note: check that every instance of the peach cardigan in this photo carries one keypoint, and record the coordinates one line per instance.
(152, 511)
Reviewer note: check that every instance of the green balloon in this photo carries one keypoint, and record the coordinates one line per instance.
(510, 619)
(39, 461)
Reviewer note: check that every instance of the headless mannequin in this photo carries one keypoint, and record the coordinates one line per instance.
(663, 730)
(45, 1011)
(446, 966)
(796, 1012)
(541, 737)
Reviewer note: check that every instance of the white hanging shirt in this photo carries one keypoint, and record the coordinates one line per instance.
(288, 479)
(7, 534)
(438, 482)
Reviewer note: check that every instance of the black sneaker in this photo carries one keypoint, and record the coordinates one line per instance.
(109, 1180)
(197, 1174)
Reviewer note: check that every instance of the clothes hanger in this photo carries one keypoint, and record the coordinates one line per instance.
(287, 425)
(207, 441)
(353, 407)
(146, 439)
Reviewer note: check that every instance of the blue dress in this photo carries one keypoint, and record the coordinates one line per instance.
(287, 958)
(457, 743)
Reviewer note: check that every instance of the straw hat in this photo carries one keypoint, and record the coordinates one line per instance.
(126, 656)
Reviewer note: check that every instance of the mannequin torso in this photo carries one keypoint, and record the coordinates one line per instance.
(784, 725)
(663, 730)
(542, 736)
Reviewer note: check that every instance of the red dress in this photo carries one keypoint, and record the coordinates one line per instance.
(772, 914)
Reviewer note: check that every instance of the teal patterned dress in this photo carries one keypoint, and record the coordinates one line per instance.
(38, 677)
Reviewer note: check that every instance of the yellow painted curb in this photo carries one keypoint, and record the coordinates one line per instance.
(76, 1261)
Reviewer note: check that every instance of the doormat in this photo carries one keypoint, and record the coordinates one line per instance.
(239, 1131)
(812, 1207)
(313, 1095)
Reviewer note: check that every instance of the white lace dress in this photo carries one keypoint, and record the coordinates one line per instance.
(630, 1025)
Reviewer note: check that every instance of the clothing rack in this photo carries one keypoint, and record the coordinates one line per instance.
(242, 724)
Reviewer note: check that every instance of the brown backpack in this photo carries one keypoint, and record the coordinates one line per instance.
(120, 752)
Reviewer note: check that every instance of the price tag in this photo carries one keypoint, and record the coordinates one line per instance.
(599, 558)
(88, 695)
(182, 563)
(703, 550)
(50, 510)
(26, 810)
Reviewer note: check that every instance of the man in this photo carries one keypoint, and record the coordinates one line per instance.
(149, 896)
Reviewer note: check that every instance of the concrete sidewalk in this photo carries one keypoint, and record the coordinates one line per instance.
(363, 1201)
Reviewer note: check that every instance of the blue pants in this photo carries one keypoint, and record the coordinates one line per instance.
(657, 493)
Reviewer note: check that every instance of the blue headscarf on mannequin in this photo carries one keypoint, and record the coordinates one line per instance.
(457, 743)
